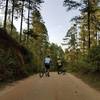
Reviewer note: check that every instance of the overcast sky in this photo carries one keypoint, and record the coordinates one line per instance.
(57, 19)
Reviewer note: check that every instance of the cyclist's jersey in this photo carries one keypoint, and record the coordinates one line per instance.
(47, 60)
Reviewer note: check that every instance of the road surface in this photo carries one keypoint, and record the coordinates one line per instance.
(55, 87)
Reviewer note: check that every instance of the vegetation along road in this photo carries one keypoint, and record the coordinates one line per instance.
(55, 87)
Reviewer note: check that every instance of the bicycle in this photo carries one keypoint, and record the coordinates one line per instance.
(62, 71)
(44, 72)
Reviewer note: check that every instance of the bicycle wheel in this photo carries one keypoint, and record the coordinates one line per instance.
(41, 74)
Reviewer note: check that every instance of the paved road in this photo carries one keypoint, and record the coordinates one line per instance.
(56, 87)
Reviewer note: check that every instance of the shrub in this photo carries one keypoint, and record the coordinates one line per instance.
(94, 58)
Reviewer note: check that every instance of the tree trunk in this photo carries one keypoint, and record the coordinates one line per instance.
(6, 10)
(13, 5)
(28, 16)
(21, 20)
(89, 43)
(96, 37)
(28, 24)
(84, 44)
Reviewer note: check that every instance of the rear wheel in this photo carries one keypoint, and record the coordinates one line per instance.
(41, 74)
(61, 71)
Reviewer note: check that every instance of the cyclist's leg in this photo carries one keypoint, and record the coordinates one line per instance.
(48, 72)
(48, 68)
(59, 69)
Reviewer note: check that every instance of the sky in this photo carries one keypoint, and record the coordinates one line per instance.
(57, 19)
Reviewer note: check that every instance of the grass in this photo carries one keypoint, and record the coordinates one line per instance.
(3, 84)
(92, 79)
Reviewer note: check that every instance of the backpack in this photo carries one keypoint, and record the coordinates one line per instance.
(59, 62)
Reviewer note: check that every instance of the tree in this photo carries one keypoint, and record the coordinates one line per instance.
(31, 5)
(13, 6)
(22, 9)
(6, 10)
(72, 37)
(87, 8)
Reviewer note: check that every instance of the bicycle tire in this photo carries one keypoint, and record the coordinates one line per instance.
(41, 74)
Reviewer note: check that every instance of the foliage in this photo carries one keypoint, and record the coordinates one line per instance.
(71, 4)
(88, 20)
(94, 58)
(9, 70)
(86, 59)
(13, 69)
(89, 63)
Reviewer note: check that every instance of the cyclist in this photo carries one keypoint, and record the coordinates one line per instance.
(59, 65)
(47, 63)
